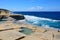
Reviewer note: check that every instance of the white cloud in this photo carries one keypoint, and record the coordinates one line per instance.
(36, 8)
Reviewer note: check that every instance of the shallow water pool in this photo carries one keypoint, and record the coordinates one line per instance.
(2, 22)
(26, 31)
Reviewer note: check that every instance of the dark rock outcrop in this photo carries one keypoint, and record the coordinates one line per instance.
(17, 17)
(6, 14)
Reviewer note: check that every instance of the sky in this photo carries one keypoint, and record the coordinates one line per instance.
(30, 5)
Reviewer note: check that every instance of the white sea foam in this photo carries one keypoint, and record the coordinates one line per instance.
(37, 20)
(28, 17)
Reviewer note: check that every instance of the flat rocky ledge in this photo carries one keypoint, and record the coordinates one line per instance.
(10, 31)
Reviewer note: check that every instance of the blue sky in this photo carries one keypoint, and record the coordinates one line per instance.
(30, 5)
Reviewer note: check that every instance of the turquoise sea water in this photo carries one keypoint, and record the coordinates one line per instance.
(38, 21)
(46, 19)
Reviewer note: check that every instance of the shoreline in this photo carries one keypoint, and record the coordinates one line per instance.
(38, 32)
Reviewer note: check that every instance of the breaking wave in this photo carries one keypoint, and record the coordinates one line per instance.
(39, 21)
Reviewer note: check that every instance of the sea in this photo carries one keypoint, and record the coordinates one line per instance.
(43, 19)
